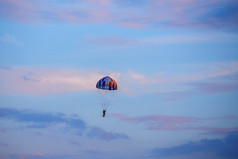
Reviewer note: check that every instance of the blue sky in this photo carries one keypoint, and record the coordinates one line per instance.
(175, 62)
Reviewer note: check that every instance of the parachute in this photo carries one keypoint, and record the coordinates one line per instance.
(106, 88)
(107, 83)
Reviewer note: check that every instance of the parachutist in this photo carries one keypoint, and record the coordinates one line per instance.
(104, 112)
(106, 84)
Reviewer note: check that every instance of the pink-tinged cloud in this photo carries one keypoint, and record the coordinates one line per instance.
(171, 86)
(200, 88)
(20, 10)
(197, 13)
(214, 78)
(109, 41)
(23, 156)
(35, 155)
(38, 154)
(132, 25)
(134, 14)
(112, 41)
(215, 87)
(174, 123)
(214, 129)
(158, 122)
(43, 81)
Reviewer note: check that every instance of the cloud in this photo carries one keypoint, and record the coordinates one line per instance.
(156, 40)
(223, 15)
(109, 41)
(196, 14)
(93, 152)
(200, 88)
(101, 134)
(214, 78)
(215, 87)
(5, 68)
(221, 148)
(202, 79)
(30, 11)
(36, 155)
(7, 38)
(220, 84)
(3, 144)
(21, 11)
(174, 123)
(215, 14)
(75, 143)
(46, 156)
(41, 120)
(39, 81)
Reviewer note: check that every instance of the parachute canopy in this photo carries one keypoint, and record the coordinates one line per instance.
(107, 83)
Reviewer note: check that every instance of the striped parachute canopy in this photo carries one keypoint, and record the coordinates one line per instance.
(107, 83)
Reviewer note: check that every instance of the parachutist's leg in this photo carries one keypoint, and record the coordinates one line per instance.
(104, 112)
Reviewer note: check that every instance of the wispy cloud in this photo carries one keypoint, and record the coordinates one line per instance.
(21, 11)
(109, 41)
(135, 14)
(219, 148)
(45, 156)
(156, 40)
(41, 120)
(7, 38)
(172, 123)
(101, 134)
(217, 84)
(73, 142)
(201, 88)
(4, 144)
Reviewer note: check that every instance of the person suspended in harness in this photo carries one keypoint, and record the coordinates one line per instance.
(104, 112)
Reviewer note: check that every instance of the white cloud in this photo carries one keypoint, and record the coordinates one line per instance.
(29, 80)
(7, 38)
(26, 80)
